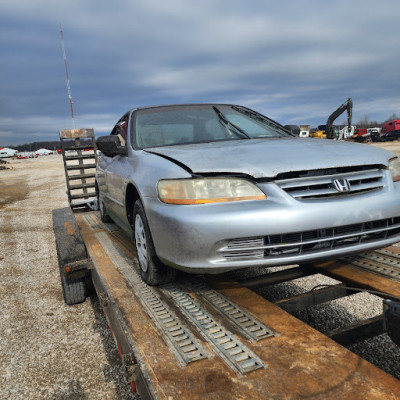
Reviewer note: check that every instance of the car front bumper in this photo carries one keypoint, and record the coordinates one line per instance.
(220, 237)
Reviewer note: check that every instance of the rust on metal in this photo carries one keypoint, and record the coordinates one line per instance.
(70, 228)
(368, 279)
(93, 222)
(302, 363)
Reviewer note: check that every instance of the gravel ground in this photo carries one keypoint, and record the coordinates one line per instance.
(52, 351)
(48, 350)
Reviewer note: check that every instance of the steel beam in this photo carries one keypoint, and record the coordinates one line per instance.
(278, 277)
(358, 331)
(313, 298)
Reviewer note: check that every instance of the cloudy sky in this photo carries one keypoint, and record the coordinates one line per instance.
(294, 61)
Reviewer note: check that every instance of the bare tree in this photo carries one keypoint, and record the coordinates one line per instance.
(392, 117)
(374, 124)
(363, 122)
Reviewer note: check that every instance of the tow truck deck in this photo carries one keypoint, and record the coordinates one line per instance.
(214, 338)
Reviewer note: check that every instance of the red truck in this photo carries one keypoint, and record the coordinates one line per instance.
(391, 126)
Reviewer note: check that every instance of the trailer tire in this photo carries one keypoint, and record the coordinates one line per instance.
(152, 270)
(74, 291)
(70, 248)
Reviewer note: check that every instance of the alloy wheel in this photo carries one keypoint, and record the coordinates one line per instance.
(141, 243)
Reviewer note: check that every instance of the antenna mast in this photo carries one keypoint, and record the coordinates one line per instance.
(66, 73)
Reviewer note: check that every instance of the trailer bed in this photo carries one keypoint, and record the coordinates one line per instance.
(215, 338)
(377, 271)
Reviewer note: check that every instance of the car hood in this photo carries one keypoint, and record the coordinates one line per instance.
(261, 158)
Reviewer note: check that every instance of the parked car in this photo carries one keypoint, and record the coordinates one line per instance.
(391, 136)
(214, 187)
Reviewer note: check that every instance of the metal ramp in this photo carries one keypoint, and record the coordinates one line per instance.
(80, 159)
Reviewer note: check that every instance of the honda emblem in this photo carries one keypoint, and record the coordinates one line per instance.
(341, 185)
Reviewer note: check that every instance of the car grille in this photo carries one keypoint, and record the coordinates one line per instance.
(308, 242)
(321, 186)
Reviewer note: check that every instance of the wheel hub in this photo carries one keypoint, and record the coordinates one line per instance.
(141, 243)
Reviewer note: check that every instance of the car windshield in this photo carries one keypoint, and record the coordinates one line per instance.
(178, 125)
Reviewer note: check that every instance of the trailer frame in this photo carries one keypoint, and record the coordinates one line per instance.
(84, 252)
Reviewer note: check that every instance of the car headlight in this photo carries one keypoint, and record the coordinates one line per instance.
(207, 190)
(394, 167)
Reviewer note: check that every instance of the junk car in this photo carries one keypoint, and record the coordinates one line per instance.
(210, 188)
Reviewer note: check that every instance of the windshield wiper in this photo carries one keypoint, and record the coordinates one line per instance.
(259, 117)
(228, 123)
(255, 115)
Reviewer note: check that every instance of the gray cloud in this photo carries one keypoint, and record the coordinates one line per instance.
(293, 61)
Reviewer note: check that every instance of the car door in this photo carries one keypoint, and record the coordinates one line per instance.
(115, 173)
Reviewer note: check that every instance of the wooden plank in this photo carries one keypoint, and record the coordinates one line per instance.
(80, 147)
(80, 176)
(82, 196)
(80, 167)
(76, 133)
(80, 157)
(81, 186)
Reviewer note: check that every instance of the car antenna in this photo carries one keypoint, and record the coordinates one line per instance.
(66, 73)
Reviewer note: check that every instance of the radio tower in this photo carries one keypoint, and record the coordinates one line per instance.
(66, 73)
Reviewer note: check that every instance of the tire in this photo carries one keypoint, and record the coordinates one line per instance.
(152, 270)
(74, 292)
(70, 247)
(103, 211)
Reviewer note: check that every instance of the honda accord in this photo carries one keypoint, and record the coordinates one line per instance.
(209, 188)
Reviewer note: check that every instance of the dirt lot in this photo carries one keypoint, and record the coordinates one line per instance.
(48, 350)
(52, 351)
(392, 146)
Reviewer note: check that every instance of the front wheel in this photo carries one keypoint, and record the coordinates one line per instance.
(103, 211)
(152, 270)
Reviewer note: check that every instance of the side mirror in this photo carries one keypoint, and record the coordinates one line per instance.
(111, 146)
(294, 129)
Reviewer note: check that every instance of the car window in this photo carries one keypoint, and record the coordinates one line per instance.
(178, 125)
(255, 125)
(177, 133)
(215, 130)
(251, 127)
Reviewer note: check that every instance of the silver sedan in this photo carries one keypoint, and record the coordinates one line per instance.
(210, 188)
